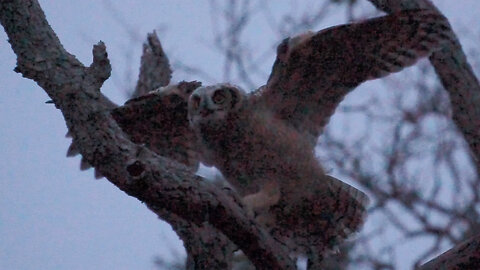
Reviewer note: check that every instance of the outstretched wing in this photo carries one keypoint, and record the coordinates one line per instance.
(329, 214)
(341, 211)
(313, 72)
(158, 120)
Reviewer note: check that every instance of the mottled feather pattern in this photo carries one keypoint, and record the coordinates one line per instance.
(313, 72)
(324, 217)
(273, 167)
(263, 142)
(159, 121)
(265, 147)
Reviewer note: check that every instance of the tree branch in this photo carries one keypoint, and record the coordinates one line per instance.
(457, 77)
(463, 256)
(155, 180)
(154, 67)
(206, 247)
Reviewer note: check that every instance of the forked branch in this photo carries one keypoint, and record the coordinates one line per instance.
(157, 181)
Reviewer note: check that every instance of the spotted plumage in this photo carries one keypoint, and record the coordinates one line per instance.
(263, 142)
(274, 169)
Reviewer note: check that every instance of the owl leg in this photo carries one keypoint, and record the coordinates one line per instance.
(268, 195)
(315, 258)
(314, 264)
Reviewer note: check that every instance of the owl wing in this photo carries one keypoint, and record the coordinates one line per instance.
(348, 203)
(328, 214)
(159, 121)
(314, 71)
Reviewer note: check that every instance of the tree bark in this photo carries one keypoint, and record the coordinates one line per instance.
(463, 256)
(206, 247)
(157, 181)
(457, 77)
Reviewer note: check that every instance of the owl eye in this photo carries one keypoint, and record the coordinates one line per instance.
(219, 97)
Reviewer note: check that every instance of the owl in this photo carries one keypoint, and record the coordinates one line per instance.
(263, 142)
(273, 167)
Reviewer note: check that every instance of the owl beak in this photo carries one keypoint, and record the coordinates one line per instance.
(205, 112)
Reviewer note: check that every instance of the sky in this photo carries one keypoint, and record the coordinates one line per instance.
(54, 216)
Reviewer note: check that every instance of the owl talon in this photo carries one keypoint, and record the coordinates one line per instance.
(260, 202)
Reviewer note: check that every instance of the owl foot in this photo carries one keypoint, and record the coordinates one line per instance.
(267, 196)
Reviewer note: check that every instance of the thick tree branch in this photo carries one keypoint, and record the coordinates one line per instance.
(206, 247)
(457, 77)
(157, 181)
(463, 256)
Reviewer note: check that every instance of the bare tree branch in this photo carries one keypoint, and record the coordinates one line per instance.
(463, 256)
(206, 247)
(189, 204)
(457, 77)
(157, 181)
(154, 67)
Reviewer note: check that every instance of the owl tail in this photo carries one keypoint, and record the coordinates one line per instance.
(350, 207)
(315, 224)
(361, 198)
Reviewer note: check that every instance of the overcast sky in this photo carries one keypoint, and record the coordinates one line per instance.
(52, 215)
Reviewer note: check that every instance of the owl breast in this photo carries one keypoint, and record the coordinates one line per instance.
(253, 148)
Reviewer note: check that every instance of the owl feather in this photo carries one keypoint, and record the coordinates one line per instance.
(313, 72)
(263, 143)
(159, 121)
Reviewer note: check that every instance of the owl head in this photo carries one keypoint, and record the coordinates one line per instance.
(214, 103)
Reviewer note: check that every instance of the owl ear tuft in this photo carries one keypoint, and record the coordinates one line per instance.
(282, 50)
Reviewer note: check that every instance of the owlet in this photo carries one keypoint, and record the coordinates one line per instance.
(263, 142)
